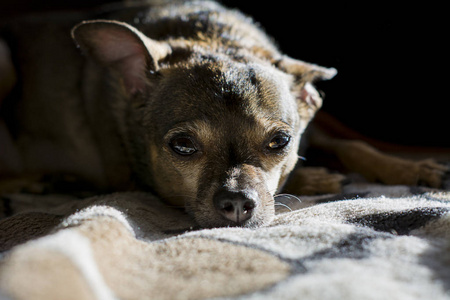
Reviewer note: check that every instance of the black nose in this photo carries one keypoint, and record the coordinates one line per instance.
(235, 206)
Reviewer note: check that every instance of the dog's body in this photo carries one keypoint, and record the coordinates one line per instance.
(190, 100)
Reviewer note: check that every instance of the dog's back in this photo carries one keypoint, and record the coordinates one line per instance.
(44, 114)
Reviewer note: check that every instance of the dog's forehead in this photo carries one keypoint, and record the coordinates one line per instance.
(214, 90)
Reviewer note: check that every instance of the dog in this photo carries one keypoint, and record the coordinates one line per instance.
(188, 100)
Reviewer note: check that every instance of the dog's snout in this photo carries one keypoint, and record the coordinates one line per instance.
(237, 207)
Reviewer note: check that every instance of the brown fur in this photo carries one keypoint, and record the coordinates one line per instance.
(153, 76)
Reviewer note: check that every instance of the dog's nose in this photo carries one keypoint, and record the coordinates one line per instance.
(235, 206)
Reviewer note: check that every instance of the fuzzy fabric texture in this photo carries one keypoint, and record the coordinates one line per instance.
(370, 242)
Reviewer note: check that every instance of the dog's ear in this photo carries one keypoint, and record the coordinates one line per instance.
(122, 47)
(303, 71)
(305, 74)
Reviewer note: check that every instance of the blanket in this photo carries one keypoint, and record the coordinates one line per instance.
(369, 242)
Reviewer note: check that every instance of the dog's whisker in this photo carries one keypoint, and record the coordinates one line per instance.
(301, 157)
(283, 205)
(289, 196)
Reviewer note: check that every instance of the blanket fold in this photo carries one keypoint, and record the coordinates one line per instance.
(131, 246)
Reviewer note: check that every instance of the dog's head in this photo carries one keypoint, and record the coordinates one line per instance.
(217, 133)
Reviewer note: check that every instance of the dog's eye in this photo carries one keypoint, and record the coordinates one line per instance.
(183, 146)
(279, 141)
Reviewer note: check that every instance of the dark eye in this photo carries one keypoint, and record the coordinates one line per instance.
(183, 146)
(279, 141)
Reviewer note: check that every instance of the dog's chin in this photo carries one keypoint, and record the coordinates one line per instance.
(224, 223)
(216, 221)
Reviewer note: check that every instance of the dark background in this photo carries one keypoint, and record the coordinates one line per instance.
(392, 62)
(392, 59)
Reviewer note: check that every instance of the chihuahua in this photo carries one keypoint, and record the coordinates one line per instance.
(188, 100)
